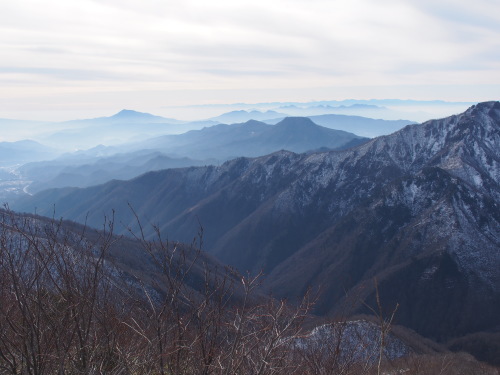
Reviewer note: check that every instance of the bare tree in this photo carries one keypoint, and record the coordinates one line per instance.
(67, 308)
(54, 288)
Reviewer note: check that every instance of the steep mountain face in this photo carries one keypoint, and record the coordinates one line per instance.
(419, 211)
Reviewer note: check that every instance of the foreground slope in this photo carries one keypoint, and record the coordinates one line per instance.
(417, 210)
(75, 300)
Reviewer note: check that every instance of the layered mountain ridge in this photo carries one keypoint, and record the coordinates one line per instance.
(252, 138)
(418, 211)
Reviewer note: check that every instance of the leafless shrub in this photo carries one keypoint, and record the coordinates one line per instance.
(65, 308)
(439, 364)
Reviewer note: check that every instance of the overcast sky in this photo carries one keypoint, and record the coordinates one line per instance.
(65, 58)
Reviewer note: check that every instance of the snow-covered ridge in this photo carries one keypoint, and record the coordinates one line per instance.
(353, 342)
(446, 143)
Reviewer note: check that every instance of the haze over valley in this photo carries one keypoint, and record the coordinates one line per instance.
(86, 152)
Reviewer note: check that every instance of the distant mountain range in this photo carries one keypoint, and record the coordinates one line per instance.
(367, 110)
(24, 151)
(387, 109)
(127, 116)
(418, 211)
(362, 126)
(252, 138)
(129, 125)
(124, 126)
(243, 116)
(88, 171)
(211, 145)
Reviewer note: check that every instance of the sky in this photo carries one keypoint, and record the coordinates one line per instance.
(65, 59)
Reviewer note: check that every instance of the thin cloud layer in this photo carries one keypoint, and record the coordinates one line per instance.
(97, 53)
